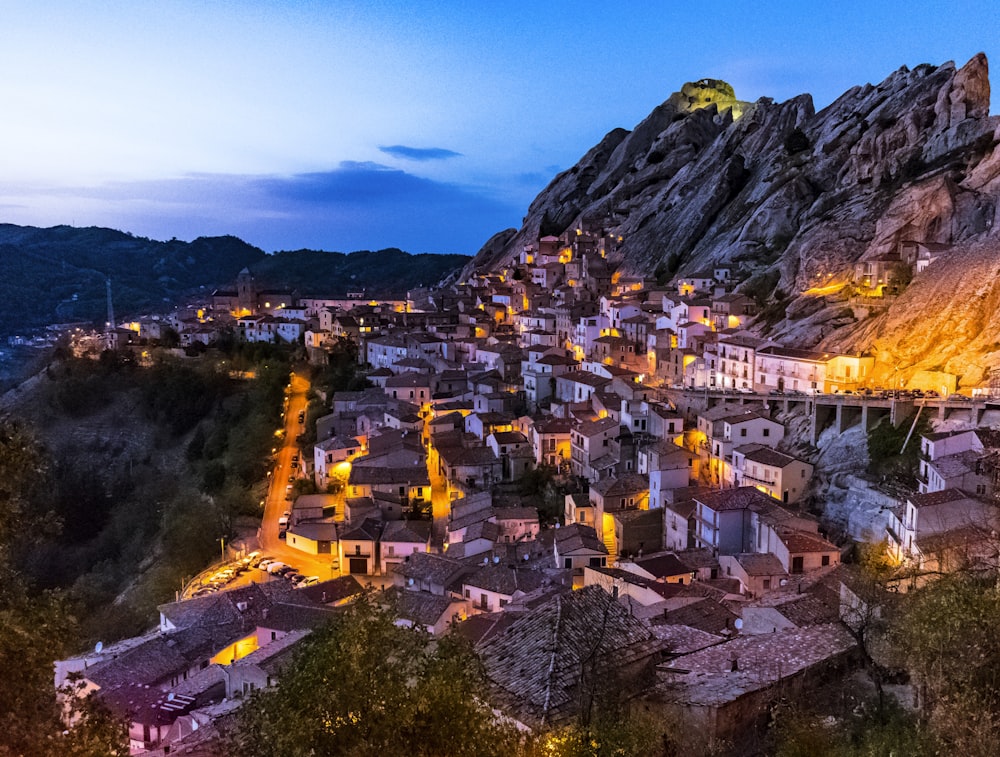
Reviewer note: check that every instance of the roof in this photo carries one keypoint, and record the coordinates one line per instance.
(760, 453)
(435, 569)
(505, 580)
(577, 538)
(420, 607)
(707, 678)
(516, 513)
(412, 531)
(704, 614)
(534, 667)
(664, 565)
(760, 564)
(740, 498)
(630, 483)
(799, 542)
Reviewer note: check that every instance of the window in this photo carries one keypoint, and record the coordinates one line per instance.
(743, 432)
(767, 432)
(826, 560)
(767, 584)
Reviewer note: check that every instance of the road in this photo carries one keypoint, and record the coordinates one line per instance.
(275, 503)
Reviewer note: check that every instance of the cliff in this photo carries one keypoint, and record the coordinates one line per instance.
(792, 198)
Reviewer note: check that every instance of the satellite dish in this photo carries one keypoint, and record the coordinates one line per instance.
(783, 582)
(496, 559)
(98, 647)
(170, 697)
(738, 623)
(525, 558)
(409, 581)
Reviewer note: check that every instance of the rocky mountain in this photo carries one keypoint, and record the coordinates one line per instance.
(59, 274)
(793, 198)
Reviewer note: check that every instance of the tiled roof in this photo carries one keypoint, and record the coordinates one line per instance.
(706, 615)
(741, 498)
(420, 607)
(799, 542)
(535, 665)
(505, 580)
(664, 565)
(759, 453)
(761, 661)
(760, 564)
(434, 569)
(577, 538)
(413, 531)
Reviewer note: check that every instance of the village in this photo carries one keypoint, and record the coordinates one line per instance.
(674, 506)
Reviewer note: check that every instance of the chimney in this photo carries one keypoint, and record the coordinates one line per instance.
(735, 667)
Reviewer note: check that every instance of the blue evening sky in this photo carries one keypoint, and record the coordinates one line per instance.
(358, 125)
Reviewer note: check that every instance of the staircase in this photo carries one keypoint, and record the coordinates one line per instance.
(609, 543)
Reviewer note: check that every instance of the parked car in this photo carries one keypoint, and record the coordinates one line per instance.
(275, 567)
(308, 581)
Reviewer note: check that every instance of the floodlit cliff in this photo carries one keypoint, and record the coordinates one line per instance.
(793, 198)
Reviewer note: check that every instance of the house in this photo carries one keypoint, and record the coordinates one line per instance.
(517, 523)
(157, 681)
(332, 458)
(776, 474)
(401, 538)
(550, 441)
(547, 662)
(724, 691)
(757, 573)
(732, 521)
(590, 442)
(493, 586)
(435, 574)
(943, 530)
(576, 546)
(636, 532)
(401, 472)
(358, 548)
(432, 612)
(315, 537)
(469, 468)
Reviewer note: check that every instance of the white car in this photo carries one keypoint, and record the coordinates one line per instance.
(276, 566)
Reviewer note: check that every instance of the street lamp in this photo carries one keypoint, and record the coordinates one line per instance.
(222, 545)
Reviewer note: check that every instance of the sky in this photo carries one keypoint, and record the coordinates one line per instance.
(427, 126)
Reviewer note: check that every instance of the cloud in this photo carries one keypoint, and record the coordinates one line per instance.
(354, 206)
(419, 153)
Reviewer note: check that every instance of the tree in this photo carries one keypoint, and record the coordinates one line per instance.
(947, 638)
(366, 686)
(36, 627)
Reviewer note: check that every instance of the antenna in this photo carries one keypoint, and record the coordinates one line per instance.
(111, 307)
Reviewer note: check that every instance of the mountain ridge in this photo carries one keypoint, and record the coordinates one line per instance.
(793, 199)
(59, 274)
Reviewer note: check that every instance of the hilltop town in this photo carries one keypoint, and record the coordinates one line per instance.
(555, 448)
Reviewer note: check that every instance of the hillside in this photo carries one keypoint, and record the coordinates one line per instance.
(59, 274)
(792, 198)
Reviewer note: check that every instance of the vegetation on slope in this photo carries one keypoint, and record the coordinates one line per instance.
(148, 469)
(59, 275)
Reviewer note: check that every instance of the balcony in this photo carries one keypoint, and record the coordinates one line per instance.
(756, 480)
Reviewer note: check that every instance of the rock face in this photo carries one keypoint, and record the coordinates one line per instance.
(788, 195)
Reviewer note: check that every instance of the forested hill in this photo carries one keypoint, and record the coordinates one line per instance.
(58, 274)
